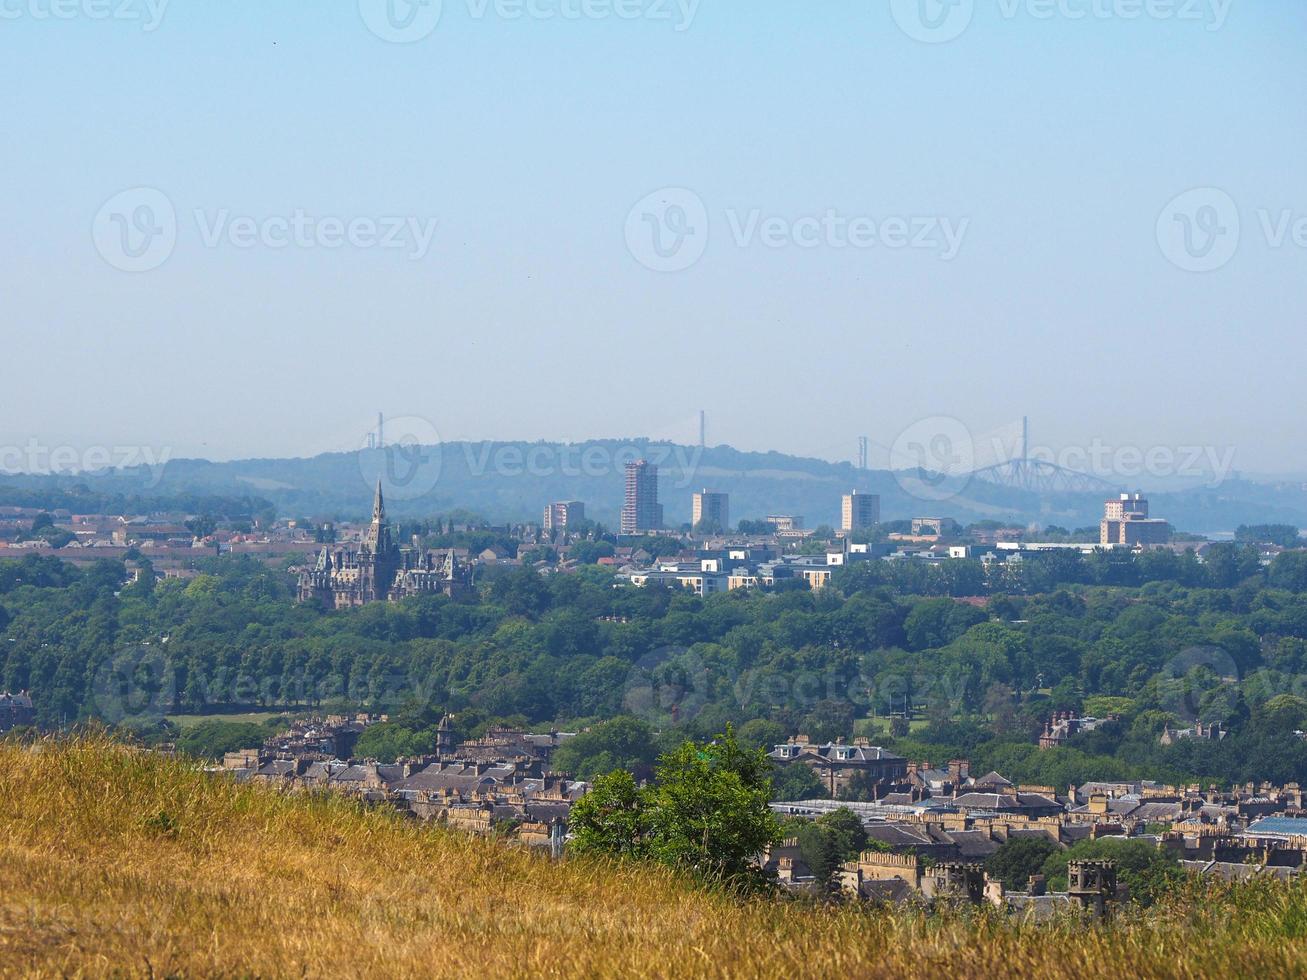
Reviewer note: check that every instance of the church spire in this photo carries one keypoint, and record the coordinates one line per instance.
(377, 537)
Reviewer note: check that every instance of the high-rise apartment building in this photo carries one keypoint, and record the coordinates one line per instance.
(860, 511)
(641, 512)
(710, 508)
(563, 514)
(1126, 521)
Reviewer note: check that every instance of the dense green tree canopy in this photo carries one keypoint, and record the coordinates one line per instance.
(622, 743)
(1151, 639)
(213, 739)
(1148, 871)
(828, 842)
(1018, 859)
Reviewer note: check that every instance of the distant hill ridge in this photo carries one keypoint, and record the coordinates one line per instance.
(513, 480)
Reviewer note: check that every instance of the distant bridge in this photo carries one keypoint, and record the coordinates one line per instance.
(1041, 476)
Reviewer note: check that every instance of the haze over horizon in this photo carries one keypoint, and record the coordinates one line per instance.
(816, 224)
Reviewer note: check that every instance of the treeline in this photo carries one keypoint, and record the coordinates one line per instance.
(975, 679)
(1223, 566)
(51, 493)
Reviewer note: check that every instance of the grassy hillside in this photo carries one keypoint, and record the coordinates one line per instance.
(113, 861)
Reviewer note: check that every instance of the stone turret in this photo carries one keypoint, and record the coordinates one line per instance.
(958, 882)
(1092, 885)
(445, 736)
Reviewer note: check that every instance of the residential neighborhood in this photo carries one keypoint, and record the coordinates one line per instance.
(933, 827)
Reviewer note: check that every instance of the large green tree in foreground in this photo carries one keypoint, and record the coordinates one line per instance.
(707, 811)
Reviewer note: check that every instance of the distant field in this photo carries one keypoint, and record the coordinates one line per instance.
(257, 717)
(881, 725)
(119, 862)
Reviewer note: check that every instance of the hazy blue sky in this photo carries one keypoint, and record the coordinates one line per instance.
(1032, 160)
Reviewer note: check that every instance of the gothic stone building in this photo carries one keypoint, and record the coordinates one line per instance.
(380, 570)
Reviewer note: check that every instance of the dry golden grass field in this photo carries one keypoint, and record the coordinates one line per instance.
(118, 862)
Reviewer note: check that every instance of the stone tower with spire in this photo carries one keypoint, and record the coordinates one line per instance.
(377, 539)
(379, 557)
